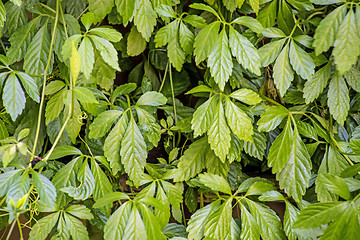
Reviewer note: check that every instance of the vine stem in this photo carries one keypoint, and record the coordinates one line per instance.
(42, 101)
(172, 93)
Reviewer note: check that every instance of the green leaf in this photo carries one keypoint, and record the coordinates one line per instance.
(86, 51)
(80, 211)
(245, 53)
(260, 187)
(296, 174)
(352, 77)
(205, 41)
(45, 188)
(194, 156)
(231, 5)
(257, 148)
(145, 18)
(107, 33)
(218, 224)
(152, 99)
(175, 53)
(102, 184)
(338, 99)
(135, 228)
(219, 61)
(6, 180)
(250, 228)
(219, 133)
(76, 228)
(20, 40)
(240, 124)
(326, 31)
(113, 142)
(126, 9)
(200, 6)
(75, 62)
(18, 189)
(269, 52)
(280, 150)
(195, 21)
(149, 125)
(249, 22)
(204, 116)
(166, 11)
(133, 152)
(29, 85)
(55, 106)
(246, 96)
(87, 20)
(103, 73)
(334, 184)
(102, 123)
(269, 223)
(115, 226)
(110, 198)
(301, 61)
(255, 5)
(84, 95)
(271, 118)
(166, 33)
(136, 43)
(283, 72)
(100, 12)
(107, 51)
(67, 46)
(186, 38)
(152, 226)
(268, 14)
(62, 151)
(317, 84)
(346, 50)
(317, 214)
(37, 53)
(16, 16)
(355, 141)
(13, 97)
(43, 227)
(215, 182)
(273, 32)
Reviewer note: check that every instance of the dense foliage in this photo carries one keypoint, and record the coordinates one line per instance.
(180, 119)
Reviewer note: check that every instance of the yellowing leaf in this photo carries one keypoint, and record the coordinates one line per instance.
(75, 63)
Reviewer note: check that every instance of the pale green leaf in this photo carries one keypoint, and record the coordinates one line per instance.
(240, 124)
(144, 18)
(215, 182)
(102, 123)
(43, 227)
(55, 106)
(204, 116)
(271, 118)
(220, 61)
(86, 51)
(273, 32)
(270, 51)
(186, 38)
(204, 7)
(231, 5)
(13, 97)
(80, 211)
(126, 9)
(218, 224)
(107, 33)
(100, 8)
(219, 133)
(246, 96)
(255, 5)
(175, 53)
(249, 228)
(136, 43)
(283, 72)
(107, 51)
(115, 226)
(151, 99)
(84, 95)
(326, 31)
(205, 41)
(317, 84)
(45, 188)
(75, 62)
(195, 21)
(249, 22)
(334, 184)
(76, 228)
(244, 51)
(346, 45)
(102, 184)
(301, 61)
(338, 99)
(296, 174)
(257, 147)
(133, 152)
(113, 142)
(30, 86)
(352, 78)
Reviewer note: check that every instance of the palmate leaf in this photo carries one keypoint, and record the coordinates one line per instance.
(338, 99)
(13, 97)
(205, 41)
(113, 142)
(346, 46)
(107, 51)
(219, 133)
(326, 31)
(37, 54)
(133, 152)
(144, 18)
(283, 72)
(296, 174)
(198, 220)
(301, 61)
(43, 227)
(317, 84)
(219, 61)
(244, 51)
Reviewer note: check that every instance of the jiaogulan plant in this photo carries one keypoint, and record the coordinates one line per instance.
(180, 119)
